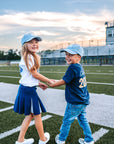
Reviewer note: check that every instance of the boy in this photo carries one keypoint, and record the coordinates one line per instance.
(76, 95)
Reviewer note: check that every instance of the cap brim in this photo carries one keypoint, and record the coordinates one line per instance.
(67, 50)
(38, 38)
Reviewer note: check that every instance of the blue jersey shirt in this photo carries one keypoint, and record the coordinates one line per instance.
(76, 86)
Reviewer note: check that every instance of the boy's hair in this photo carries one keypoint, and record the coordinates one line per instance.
(25, 52)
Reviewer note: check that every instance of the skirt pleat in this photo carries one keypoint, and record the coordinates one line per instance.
(23, 100)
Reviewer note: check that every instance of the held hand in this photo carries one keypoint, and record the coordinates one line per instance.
(51, 82)
(56, 83)
(43, 86)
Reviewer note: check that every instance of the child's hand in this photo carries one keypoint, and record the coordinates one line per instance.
(56, 83)
(51, 82)
(43, 86)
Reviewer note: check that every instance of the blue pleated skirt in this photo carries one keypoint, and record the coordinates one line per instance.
(27, 101)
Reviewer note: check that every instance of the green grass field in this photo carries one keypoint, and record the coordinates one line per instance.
(101, 74)
(10, 120)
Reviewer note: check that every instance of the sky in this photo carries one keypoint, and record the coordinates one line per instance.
(55, 21)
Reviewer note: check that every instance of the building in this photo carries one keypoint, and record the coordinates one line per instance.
(92, 55)
(109, 33)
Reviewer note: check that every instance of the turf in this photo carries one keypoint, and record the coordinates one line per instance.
(108, 77)
(11, 120)
(4, 105)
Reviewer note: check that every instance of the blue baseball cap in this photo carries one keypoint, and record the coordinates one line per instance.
(74, 49)
(28, 37)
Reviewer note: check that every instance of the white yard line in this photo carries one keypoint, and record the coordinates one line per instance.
(10, 70)
(86, 73)
(87, 82)
(62, 72)
(98, 134)
(5, 109)
(10, 132)
(101, 73)
(10, 77)
(101, 83)
(50, 72)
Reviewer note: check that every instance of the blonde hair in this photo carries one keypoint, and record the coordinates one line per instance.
(25, 53)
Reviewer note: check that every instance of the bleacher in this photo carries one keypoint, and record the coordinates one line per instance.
(92, 55)
(88, 51)
(99, 50)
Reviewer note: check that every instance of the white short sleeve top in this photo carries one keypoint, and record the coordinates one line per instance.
(26, 77)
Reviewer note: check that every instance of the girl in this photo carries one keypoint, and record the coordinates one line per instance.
(27, 100)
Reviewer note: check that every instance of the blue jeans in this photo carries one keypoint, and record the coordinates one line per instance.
(75, 111)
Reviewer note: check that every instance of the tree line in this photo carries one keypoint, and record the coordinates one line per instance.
(16, 55)
(10, 55)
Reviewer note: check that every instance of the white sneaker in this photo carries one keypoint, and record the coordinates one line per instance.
(26, 141)
(47, 135)
(81, 141)
(58, 141)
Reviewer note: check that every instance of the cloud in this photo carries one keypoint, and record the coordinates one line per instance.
(87, 1)
(40, 33)
(63, 26)
(46, 33)
(79, 1)
(52, 19)
(4, 48)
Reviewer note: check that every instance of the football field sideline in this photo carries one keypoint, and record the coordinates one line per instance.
(100, 111)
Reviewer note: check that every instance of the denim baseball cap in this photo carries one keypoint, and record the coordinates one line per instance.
(28, 37)
(74, 49)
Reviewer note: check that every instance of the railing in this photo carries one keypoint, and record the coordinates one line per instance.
(83, 43)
